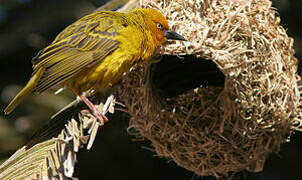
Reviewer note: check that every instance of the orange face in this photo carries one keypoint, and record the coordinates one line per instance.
(159, 25)
(160, 28)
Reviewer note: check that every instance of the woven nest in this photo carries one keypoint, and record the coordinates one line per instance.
(216, 131)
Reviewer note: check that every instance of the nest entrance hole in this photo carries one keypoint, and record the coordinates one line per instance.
(175, 75)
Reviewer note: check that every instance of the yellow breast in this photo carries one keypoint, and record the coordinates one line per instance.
(102, 75)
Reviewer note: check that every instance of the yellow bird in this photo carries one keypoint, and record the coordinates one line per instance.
(95, 51)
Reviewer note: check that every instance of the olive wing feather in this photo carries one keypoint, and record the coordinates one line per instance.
(83, 44)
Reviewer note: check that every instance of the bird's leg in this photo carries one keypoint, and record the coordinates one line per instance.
(100, 116)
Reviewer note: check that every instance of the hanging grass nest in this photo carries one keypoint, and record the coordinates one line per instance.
(212, 130)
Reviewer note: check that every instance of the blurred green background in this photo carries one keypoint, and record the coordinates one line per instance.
(26, 26)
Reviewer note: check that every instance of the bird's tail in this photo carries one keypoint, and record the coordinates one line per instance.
(30, 86)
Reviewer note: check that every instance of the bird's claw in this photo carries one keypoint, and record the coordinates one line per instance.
(101, 118)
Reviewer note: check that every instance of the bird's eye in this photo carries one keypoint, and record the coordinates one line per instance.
(160, 26)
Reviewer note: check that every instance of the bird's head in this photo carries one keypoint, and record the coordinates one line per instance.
(159, 27)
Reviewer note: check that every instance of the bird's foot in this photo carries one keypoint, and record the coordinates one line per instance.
(95, 111)
(100, 117)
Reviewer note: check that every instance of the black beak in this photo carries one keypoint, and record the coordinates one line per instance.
(173, 35)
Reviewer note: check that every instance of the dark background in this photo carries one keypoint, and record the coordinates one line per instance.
(26, 26)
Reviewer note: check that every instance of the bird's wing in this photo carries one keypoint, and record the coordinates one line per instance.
(81, 45)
